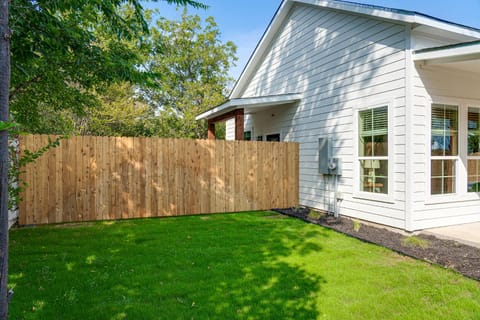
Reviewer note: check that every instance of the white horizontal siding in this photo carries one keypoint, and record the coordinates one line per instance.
(336, 61)
(230, 129)
(431, 83)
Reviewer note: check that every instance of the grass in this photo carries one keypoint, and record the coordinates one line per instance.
(228, 266)
(356, 225)
(414, 241)
(313, 214)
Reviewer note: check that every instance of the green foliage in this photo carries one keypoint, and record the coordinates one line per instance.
(356, 225)
(111, 75)
(414, 241)
(223, 266)
(120, 113)
(7, 125)
(63, 52)
(313, 214)
(193, 66)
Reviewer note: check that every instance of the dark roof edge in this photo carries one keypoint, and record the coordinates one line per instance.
(450, 46)
(408, 12)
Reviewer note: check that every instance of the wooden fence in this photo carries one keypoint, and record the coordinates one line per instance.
(103, 178)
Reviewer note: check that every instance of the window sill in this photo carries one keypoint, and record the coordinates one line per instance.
(385, 198)
(454, 197)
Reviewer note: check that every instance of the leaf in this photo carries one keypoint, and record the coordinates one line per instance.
(7, 125)
(67, 51)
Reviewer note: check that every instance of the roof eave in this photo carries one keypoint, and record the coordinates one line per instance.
(399, 15)
(207, 114)
(257, 54)
(286, 5)
(233, 104)
(447, 54)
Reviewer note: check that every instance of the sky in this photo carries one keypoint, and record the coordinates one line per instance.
(244, 21)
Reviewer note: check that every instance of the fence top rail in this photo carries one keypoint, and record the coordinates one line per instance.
(55, 136)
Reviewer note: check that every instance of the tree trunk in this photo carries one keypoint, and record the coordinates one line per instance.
(4, 89)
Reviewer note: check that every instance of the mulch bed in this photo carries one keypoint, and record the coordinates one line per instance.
(446, 253)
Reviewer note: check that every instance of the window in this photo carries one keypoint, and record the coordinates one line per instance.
(473, 150)
(247, 135)
(273, 137)
(444, 148)
(373, 150)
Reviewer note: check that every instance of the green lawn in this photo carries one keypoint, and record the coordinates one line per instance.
(227, 266)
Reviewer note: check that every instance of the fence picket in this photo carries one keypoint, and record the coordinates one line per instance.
(104, 178)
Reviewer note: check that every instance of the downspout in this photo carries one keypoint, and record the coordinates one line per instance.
(335, 198)
(409, 125)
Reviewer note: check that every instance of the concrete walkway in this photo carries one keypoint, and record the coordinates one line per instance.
(465, 233)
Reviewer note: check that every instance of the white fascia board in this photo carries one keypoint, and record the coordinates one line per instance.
(392, 15)
(248, 102)
(443, 25)
(262, 46)
(225, 107)
(448, 53)
(360, 9)
(286, 5)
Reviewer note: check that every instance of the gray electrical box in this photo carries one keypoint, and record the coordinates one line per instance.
(326, 163)
(323, 155)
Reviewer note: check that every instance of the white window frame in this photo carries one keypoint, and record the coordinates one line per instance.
(461, 165)
(357, 193)
(456, 158)
(466, 142)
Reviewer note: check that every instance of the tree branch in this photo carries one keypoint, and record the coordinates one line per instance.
(21, 87)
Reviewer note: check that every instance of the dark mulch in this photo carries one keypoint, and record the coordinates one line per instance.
(446, 253)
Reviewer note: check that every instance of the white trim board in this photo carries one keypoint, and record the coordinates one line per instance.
(401, 16)
(250, 104)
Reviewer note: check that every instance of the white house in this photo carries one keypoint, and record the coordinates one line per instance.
(396, 92)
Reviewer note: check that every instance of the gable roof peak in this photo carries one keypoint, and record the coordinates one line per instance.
(398, 15)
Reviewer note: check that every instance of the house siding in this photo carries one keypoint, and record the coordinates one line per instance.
(424, 39)
(230, 129)
(435, 84)
(339, 62)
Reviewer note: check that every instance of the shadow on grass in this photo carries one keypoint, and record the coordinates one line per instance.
(240, 266)
(271, 283)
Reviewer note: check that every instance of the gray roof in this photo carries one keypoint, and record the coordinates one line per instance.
(406, 12)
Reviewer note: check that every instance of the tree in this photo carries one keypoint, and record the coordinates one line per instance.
(192, 64)
(4, 85)
(56, 62)
(189, 65)
(121, 113)
(63, 51)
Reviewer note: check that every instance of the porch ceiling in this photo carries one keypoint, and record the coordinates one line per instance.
(462, 56)
(250, 105)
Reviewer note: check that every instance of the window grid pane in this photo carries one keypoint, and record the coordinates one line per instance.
(443, 176)
(444, 144)
(473, 175)
(373, 132)
(473, 132)
(473, 150)
(374, 176)
(373, 149)
(444, 140)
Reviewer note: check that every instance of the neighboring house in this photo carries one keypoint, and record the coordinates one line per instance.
(398, 94)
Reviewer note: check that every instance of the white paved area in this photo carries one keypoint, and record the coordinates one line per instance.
(464, 233)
